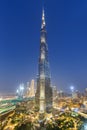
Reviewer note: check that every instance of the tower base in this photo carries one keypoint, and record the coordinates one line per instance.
(41, 116)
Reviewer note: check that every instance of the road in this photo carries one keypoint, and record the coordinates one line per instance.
(7, 109)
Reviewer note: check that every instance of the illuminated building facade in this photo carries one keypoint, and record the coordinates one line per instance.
(32, 90)
(43, 94)
(55, 94)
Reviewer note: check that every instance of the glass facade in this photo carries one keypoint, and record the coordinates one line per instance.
(43, 80)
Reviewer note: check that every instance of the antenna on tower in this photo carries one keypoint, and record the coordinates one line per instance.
(43, 18)
(43, 4)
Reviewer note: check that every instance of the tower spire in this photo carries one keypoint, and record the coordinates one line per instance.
(43, 19)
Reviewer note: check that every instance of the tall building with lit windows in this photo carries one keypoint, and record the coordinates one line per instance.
(32, 90)
(43, 94)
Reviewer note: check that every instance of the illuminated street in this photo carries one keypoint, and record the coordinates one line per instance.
(25, 113)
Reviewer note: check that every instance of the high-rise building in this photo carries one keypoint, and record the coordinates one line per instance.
(86, 92)
(32, 90)
(44, 90)
(55, 94)
(27, 89)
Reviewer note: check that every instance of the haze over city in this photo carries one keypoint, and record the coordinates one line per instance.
(20, 39)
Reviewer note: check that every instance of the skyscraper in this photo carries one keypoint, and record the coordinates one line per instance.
(43, 94)
(32, 90)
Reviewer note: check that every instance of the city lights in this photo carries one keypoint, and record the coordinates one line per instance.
(17, 91)
(20, 90)
(41, 104)
(72, 88)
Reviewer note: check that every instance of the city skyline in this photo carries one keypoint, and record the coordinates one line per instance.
(67, 40)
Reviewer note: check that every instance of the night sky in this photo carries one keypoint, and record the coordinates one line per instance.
(20, 22)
